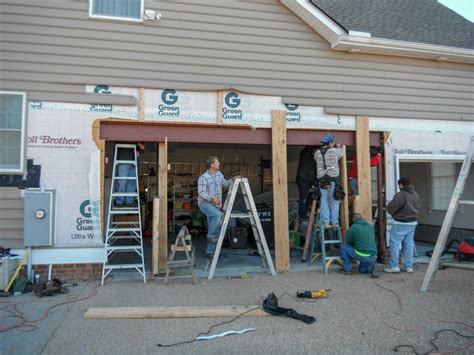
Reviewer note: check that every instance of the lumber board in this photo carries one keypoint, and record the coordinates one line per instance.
(220, 106)
(155, 229)
(141, 104)
(280, 190)
(364, 203)
(171, 312)
(163, 195)
(344, 211)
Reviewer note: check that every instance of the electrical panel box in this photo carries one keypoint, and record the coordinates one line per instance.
(39, 218)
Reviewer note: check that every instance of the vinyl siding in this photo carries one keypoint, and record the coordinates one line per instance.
(11, 218)
(52, 50)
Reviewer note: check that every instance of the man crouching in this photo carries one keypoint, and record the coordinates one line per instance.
(360, 245)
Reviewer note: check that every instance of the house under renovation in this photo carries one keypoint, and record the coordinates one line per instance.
(251, 82)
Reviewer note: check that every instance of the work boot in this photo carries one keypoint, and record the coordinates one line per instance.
(344, 272)
(374, 272)
(392, 270)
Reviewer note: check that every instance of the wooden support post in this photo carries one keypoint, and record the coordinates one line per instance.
(344, 211)
(280, 190)
(141, 104)
(220, 105)
(163, 214)
(364, 200)
(100, 143)
(155, 239)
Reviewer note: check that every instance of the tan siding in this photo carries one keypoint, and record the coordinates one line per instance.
(254, 46)
(11, 218)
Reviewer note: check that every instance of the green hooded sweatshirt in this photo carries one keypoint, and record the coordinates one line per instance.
(361, 236)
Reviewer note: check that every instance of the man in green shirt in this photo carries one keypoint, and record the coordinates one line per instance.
(360, 245)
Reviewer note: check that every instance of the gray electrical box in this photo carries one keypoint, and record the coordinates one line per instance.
(39, 218)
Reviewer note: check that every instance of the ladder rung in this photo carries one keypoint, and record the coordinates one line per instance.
(123, 266)
(123, 230)
(125, 145)
(179, 263)
(130, 236)
(332, 241)
(131, 162)
(466, 202)
(124, 211)
(127, 194)
(124, 178)
(180, 248)
(240, 215)
(124, 247)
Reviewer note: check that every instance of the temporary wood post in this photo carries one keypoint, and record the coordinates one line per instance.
(220, 105)
(163, 214)
(100, 143)
(141, 104)
(344, 211)
(364, 203)
(280, 190)
(155, 229)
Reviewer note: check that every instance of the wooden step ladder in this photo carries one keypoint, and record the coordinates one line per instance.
(252, 215)
(449, 217)
(183, 244)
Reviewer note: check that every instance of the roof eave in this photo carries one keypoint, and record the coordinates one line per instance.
(342, 41)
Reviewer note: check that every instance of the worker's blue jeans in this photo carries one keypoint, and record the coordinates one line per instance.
(402, 234)
(355, 185)
(348, 254)
(214, 216)
(329, 214)
(125, 170)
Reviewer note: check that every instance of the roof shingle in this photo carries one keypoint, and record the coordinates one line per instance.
(422, 21)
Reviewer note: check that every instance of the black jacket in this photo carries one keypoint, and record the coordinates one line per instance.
(405, 205)
(306, 165)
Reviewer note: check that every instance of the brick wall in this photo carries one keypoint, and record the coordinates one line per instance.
(68, 272)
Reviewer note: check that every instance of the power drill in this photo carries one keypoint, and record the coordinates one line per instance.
(313, 294)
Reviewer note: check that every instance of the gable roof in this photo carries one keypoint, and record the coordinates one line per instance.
(421, 21)
(409, 28)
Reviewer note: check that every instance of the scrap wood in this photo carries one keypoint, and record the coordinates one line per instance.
(172, 312)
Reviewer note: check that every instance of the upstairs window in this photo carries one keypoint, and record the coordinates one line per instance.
(130, 10)
(12, 132)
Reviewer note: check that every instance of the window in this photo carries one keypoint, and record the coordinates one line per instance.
(443, 179)
(131, 10)
(12, 132)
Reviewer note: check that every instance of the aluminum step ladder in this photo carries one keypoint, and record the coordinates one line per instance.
(124, 236)
(329, 237)
(449, 217)
(252, 215)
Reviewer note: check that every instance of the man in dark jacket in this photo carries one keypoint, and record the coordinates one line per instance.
(404, 210)
(305, 177)
(360, 245)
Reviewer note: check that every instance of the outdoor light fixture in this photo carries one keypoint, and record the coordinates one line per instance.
(40, 214)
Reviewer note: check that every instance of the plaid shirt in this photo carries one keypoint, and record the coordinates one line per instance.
(210, 186)
(331, 158)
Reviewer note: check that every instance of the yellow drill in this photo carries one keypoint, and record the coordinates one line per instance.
(313, 294)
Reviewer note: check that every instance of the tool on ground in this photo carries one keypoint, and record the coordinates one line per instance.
(124, 229)
(221, 335)
(239, 277)
(450, 214)
(6, 292)
(183, 244)
(251, 214)
(50, 288)
(313, 294)
(270, 305)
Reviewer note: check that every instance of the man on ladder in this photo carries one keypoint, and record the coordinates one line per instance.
(327, 168)
(210, 185)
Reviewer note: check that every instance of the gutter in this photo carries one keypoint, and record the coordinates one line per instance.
(362, 42)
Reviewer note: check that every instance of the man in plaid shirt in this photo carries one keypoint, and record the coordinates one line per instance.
(210, 186)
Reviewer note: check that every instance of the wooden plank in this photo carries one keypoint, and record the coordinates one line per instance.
(344, 210)
(280, 190)
(220, 106)
(155, 229)
(100, 143)
(141, 104)
(172, 312)
(364, 200)
(163, 214)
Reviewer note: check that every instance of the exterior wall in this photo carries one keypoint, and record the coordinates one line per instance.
(11, 218)
(70, 272)
(52, 50)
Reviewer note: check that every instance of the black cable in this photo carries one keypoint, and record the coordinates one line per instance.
(209, 330)
(435, 347)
